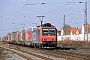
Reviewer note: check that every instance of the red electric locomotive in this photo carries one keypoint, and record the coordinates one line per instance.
(45, 36)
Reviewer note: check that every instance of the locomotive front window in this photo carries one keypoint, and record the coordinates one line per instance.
(48, 31)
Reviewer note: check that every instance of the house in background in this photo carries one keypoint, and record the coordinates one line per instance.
(88, 27)
(75, 33)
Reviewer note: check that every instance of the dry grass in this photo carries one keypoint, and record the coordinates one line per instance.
(74, 44)
(2, 55)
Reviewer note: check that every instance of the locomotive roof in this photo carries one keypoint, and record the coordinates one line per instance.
(46, 25)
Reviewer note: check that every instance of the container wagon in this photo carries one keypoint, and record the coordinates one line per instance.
(29, 31)
(23, 37)
(14, 37)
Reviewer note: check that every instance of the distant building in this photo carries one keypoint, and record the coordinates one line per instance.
(88, 27)
(58, 33)
(74, 33)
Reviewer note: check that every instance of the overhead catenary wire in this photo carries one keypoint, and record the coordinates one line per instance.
(17, 11)
(48, 12)
(13, 5)
(66, 5)
(67, 15)
(58, 8)
(75, 13)
(13, 2)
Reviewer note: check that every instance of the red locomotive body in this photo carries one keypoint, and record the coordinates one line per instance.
(44, 36)
(48, 35)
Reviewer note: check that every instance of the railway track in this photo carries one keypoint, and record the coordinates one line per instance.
(27, 56)
(73, 55)
(63, 54)
(66, 55)
(52, 54)
(30, 54)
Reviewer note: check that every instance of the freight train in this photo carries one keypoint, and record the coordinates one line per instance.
(40, 36)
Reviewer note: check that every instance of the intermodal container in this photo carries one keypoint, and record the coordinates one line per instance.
(20, 36)
(36, 35)
(17, 35)
(9, 36)
(29, 33)
(14, 36)
(24, 35)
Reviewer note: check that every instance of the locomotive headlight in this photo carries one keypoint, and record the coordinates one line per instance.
(54, 39)
(43, 39)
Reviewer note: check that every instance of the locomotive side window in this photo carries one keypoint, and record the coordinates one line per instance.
(48, 31)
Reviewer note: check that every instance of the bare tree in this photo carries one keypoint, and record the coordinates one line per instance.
(66, 29)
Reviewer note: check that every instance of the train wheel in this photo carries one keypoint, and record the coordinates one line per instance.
(37, 45)
(41, 46)
(34, 45)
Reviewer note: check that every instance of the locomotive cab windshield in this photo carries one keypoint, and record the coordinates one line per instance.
(48, 31)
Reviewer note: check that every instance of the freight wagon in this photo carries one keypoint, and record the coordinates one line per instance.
(29, 37)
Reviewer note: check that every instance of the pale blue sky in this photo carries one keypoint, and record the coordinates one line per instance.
(15, 11)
